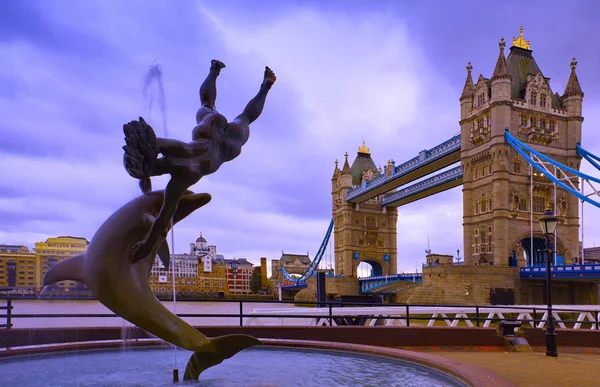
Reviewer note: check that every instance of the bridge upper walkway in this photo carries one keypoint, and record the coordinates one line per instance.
(428, 161)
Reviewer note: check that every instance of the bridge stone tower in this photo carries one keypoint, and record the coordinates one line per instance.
(499, 191)
(365, 232)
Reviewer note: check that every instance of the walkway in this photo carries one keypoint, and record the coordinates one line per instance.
(535, 369)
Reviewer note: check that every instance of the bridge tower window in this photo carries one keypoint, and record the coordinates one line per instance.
(523, 120)
(539, 204)
(533, 100)
(552, 125)
(543, 100)
(517, 167)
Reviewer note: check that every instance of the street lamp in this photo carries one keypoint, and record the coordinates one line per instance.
(548, 223)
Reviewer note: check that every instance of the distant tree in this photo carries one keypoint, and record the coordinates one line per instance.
(255, 280)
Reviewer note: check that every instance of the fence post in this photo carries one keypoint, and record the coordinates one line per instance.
(241, 313)
(597, 317)
(9, 312)
(330, 316)
(407, 316)
(477, 315)
(534, 318)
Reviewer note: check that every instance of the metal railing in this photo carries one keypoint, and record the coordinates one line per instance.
(333, 313)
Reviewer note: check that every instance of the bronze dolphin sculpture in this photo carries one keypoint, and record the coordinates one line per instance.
(109, 270)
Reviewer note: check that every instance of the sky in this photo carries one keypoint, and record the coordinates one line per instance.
(386, 72)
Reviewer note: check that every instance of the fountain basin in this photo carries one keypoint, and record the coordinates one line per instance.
(279, 363)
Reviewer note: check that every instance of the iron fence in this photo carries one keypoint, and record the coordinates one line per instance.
(406, 313)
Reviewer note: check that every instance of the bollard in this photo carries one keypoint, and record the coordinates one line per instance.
(175, 375)
(9, 313)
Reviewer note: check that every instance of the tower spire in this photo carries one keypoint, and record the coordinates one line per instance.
(573, 87)
(501, 70)
(520, 41)
(346, 168)
(469, 88)
(336, 170)
(363, 149)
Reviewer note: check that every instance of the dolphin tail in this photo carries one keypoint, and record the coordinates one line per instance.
(69, 269)
(224, 347)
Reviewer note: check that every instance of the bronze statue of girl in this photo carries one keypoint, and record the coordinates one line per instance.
(214, 141)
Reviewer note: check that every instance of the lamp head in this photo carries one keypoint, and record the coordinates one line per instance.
(548, 221)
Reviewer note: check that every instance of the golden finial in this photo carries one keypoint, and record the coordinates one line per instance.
(573, 64)
(469, 67)
(502, 44)
(346, 155)
(336, 163)
(363, 149)
(520, 41)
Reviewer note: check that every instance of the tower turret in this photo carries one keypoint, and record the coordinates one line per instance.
(501, 79)
(466, 98)
(346, 175)
(573, 100)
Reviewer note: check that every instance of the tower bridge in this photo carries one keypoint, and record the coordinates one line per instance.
(518, 152)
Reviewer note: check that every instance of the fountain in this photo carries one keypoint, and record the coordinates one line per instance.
(116, 266)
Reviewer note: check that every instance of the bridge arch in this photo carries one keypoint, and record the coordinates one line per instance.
(523, 243)
(376, 267)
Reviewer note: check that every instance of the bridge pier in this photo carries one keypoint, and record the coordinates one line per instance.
(334, 287)
(468, 285)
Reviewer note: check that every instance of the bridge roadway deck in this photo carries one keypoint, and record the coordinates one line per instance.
(451, 315)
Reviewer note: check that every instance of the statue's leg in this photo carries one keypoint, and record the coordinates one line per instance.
(256, 104)
(208, 90)
(173, 194)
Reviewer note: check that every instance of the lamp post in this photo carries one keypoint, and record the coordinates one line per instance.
(548, 223)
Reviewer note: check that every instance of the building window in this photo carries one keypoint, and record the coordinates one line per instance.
(481, 99)
(543, 100)
(543, 123)
(517, 166)
(552, 125)
(371, 222)
(523, 120)
(533, 100)
(539, 204)
(522, 205)
(480, 123)
(532, 121)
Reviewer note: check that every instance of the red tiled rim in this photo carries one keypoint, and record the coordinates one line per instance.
(467, 373)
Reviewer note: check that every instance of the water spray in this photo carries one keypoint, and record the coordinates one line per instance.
(153, 83)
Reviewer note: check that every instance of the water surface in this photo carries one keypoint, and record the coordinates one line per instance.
(253, 367)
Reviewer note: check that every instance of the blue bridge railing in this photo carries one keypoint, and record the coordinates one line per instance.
(371, 283)
(566, 272)
(434, 181)
(425, 157)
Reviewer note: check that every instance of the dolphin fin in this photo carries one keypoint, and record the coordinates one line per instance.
(163, 253)
(224, 348)
(69, 269)
(190, 203)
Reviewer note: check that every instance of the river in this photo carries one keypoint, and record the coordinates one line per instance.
(33, 307)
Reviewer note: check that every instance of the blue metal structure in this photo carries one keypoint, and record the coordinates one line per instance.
(368, 284)
(428, 161)
(562, 272)
(311, 270)
(556, 172)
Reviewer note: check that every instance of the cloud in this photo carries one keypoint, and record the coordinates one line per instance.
(73, 73)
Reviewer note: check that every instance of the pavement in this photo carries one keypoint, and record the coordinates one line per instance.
(578, 367)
